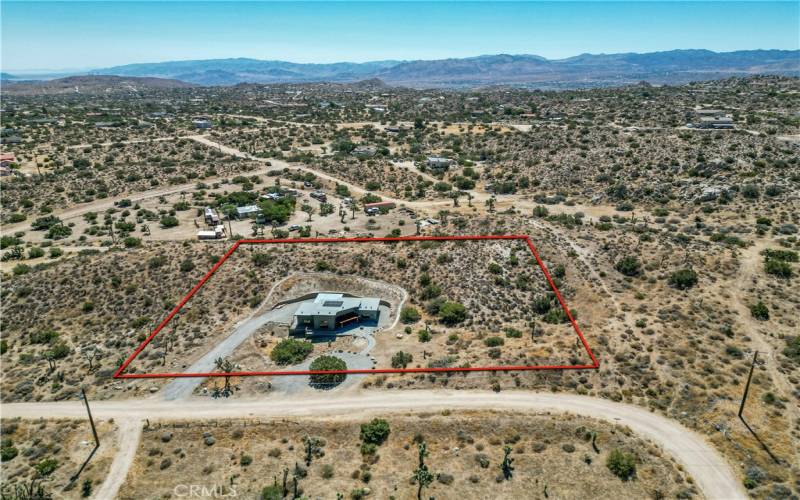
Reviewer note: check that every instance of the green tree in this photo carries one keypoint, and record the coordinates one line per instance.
(409, 315)
(629, 266)
(290, 351)
(326, 364)
(683, 279)
(375, 432)
(452, 313)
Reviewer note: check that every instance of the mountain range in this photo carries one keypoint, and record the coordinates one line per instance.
(585, 70)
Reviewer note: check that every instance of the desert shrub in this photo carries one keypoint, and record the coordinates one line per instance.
(272, 492)
(621, 464)
(131, 242)
(541, 304)
(540, 211)
(513, 333)
(424, 336)
(495, 268)
(493, 341)
(60, 350)
(35, 253)
(683, 279)
(557, 316)
(409, 315)
(375, 432)
(452, 313)
(21, 269)
(245, 460)
(168, 221)
(328, 363)
(750, 191)
(290, 351)
(760, 311)
(783, 255)
(327, 471)
(44, 337)
(9, 241)
(431, 291)
(778, 268)
(58, 232)
(8, 452)
(629, 266)
(401, 359)
(44, 223)
(261, 259)
(46, 467)
(792, 349)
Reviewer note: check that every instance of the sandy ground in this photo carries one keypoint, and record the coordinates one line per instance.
(711, 472)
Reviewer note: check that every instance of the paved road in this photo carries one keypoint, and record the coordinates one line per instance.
(182, 388)
(712, 474)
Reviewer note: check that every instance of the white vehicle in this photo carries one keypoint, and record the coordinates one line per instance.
(217, 234)
(294, 227)
(211, 216)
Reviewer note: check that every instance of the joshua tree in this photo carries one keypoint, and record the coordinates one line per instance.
(309, 210)
(422, 475)
(507, 468)
(490, 203)
(225, 365)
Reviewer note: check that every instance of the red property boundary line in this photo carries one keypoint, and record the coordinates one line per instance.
(595, 364)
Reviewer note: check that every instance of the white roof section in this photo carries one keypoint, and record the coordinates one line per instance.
(331, 304)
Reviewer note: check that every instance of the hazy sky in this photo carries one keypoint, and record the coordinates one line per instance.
(78, 35)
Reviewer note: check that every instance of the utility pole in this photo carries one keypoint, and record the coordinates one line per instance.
(747, 385)
(741, 410)
(94, 433)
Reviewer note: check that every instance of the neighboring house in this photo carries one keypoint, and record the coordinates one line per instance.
(373, 208)
(365, 151)
(712, 118)
(202, 124)
(6, 159)
(439, 162)
(330, 311)
(247, 211)
(717, 122)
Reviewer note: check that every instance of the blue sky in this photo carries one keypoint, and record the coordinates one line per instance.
(79, 35)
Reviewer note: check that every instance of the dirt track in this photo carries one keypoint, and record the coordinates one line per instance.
(713, 475)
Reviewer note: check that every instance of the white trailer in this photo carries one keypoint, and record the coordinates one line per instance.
(217, 234)
(211, 216)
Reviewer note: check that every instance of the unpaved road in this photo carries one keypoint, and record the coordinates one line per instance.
(130, 432)
(712, 474)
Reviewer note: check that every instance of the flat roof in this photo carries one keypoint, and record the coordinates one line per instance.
(330, 304)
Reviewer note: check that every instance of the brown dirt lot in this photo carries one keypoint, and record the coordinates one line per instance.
(551, 453)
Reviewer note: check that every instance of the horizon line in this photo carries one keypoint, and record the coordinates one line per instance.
(46, 71)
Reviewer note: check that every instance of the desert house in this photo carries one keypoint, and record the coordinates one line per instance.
(329, 311)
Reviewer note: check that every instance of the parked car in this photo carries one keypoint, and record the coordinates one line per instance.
(294, 227)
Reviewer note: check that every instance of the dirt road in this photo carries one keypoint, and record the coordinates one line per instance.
(713, 475)
(130, 432)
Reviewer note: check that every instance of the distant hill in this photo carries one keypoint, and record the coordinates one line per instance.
(91, 84)
(240, 70)
(585, 70)
(677, 66)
